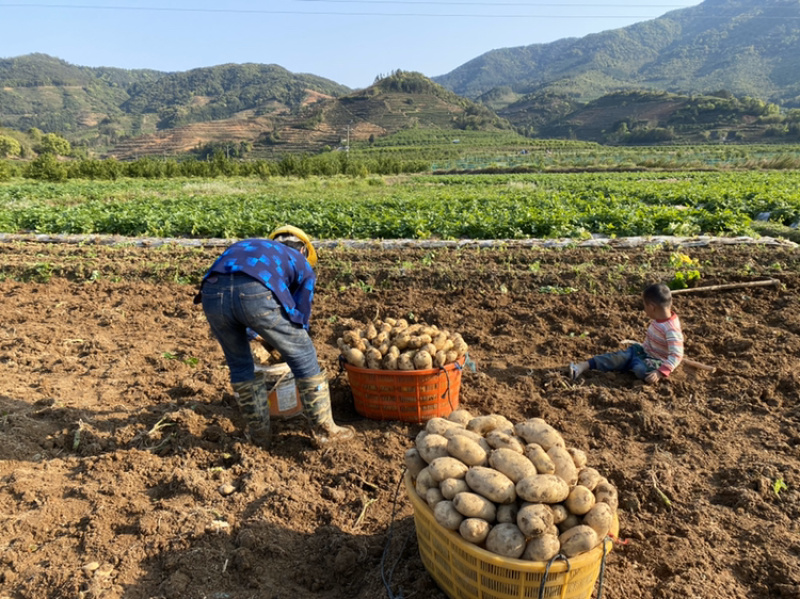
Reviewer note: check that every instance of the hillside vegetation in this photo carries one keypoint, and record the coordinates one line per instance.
(748, 47)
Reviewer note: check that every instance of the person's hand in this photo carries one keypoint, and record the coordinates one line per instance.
(653, 377)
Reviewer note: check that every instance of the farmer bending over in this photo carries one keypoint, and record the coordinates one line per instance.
(658, 355)
(267, 285)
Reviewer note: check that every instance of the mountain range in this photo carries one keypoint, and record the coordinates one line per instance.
(654, 75)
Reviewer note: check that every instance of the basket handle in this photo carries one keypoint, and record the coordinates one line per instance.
(552, 560)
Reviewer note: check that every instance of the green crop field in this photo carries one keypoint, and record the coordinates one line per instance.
(508, 206)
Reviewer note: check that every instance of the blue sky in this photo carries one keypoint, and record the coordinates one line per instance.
(348, 41)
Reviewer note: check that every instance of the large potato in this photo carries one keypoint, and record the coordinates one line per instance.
(432, 446)
(451, 487)
(461, 416)
(448, 516)
(580, 500)
(484, 424)
(424, 482)
(433, 496)
(536, 430)
(600, 518)
(498, 439)
(605, 492)
(472, 505)
(534, 519)
(560, 512)
(578, 540)
(507, 512)
(514, 465)
(565, 467)
(578, 456)
(506, 540)
(440, 426)
(414, 462)
(447, 467)
(492, 484)
(539, 458)
(588, 477)
(474, 530)
(541, 488)
(542, 548)
(465, 449)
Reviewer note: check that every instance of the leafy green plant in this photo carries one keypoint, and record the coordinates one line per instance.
(778, 486)
(687, 272)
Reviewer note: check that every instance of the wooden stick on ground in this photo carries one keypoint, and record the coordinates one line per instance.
(728, 286)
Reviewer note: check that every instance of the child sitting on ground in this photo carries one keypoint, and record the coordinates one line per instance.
(658, 355)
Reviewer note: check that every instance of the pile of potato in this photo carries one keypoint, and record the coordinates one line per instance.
(393, 344)
(516, 490)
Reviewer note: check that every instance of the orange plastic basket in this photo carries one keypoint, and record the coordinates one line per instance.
(465, 571)
(407, 395)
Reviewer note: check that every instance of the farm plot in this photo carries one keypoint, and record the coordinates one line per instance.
(125, 474)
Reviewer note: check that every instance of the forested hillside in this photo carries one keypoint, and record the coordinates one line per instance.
(747, 47)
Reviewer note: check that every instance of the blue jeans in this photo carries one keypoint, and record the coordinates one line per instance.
(633, 359)
(234, 302)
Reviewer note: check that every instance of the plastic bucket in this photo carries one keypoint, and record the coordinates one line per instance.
(284, 398)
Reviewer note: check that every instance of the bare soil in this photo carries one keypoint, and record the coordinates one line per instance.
(119, 430)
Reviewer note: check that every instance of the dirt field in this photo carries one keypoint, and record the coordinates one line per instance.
(119, 429)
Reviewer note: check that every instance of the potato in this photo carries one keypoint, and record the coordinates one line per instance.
(578, 457)
(470, 435)
(560, 512)
(484, 424)
(451, 487)
(424, 482)
(355, 357)
(506, 539)
(389, 362)
(542, 548)
(474, 530)
(578, 540)
(539, 458)
(605, 492)
(447, 467)
(461, 416)
(405, 361)
(498, 439)
(433, 496)
(468, 451)
(451, 357)
(492, 484)
(440, 359)
(588, 477)
(580, 500)
(440, 426)
(472, 505)
(401, 341)
(542, 488)
(430, 348)
(417, 341)
(439, 340)
(534, 519)
(414, 462)
(600, 518)
(507, 512)
(352, 338)
(536, 430)
(514, 465)
(423, 360)
(373, 358)
(571, 522)
(447, 515)
(432, 446)
(565, 467)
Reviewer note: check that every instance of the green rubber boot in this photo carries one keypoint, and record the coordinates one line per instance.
(253, 400)
(315, 396)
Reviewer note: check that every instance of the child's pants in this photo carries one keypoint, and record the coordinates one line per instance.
(632, 359)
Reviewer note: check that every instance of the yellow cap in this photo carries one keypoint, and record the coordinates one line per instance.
(290, 230)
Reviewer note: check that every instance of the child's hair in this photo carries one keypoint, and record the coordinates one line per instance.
(658, 294)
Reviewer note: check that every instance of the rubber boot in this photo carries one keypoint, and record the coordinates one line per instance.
(253, 400)
(315, 396)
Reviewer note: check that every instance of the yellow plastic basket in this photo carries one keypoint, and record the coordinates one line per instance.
(465, 571)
